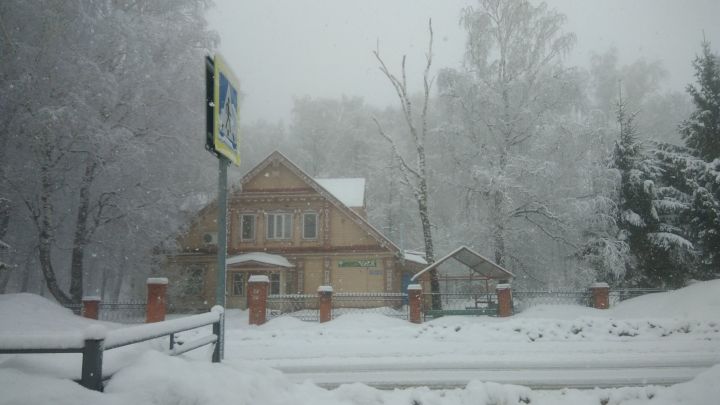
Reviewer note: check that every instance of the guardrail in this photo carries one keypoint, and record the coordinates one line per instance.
(95, 340)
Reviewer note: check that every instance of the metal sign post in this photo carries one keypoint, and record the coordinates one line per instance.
(222, 231)
(222, 139)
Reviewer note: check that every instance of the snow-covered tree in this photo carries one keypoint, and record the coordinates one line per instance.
(702, 130)
(699, 188)
(507, 108)
(103, 98)
(648, 214)
(415, 175)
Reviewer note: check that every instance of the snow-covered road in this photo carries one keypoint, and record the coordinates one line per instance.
(535, 378)
(542, 367)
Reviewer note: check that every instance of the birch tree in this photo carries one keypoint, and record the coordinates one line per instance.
(509, 94)
(415, 175)
(98, 96)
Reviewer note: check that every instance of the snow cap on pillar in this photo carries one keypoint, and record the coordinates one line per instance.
(157, 280)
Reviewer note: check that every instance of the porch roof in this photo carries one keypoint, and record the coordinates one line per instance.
(260, 258)
(473, 260)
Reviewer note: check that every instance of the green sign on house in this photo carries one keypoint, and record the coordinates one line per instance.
(357, 263)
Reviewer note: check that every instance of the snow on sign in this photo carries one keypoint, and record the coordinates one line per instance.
(226, 136)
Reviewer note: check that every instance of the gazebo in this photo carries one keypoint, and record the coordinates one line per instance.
(467, 280)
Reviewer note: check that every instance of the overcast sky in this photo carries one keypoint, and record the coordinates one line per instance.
(282, 49)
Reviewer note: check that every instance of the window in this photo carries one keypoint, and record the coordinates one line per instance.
(247, 227)
(275, 283)
(193, 281)
(279, 226)
(238, 284)
(310, 225)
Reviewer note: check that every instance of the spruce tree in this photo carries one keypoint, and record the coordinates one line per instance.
(702, 130)
(649, 214)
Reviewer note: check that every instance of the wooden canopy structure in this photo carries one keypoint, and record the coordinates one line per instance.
(479, 266)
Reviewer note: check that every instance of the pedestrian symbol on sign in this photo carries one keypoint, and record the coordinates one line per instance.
(228, 113)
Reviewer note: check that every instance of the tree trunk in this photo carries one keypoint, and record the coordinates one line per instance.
(80, 240)
(498, 228)
(46, 235)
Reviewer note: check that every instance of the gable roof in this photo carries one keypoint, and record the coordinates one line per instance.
(278, 157)
(350, 191)
(473, 260)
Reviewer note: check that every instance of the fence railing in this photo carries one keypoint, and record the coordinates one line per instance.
(306, 306)
(301, 306)
(461, 301)
(131, 311)
(92, 342)
(621, 294)
(530, 298)
(388, 304)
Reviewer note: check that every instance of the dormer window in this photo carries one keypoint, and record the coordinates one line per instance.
(279, 226)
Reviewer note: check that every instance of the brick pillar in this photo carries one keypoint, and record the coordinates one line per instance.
(504, 295)
(600, 295)
(91, 307)
(156, 299)
(415, 300)
(325, 302)
(257, 299)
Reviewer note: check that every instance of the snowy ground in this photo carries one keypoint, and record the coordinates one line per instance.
(676, 333)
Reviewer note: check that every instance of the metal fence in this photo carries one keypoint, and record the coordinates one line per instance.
(301, 306)
(306, 306)
(526, 299)
(619, 295)
(462, 301)
(131, 311)
(388, 304)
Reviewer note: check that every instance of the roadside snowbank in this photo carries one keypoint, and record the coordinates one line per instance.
(680, 326)
(159, 379)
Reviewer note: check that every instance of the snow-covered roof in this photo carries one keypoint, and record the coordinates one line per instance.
(350, 191)
(415, 257)
(473, 260)
(259, 257)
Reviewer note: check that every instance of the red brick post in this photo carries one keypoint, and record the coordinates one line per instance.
(257, 299)
(415, 300)
(600, 295)
(91, 307)
(504, 295)
(156, 299)
(325, 302)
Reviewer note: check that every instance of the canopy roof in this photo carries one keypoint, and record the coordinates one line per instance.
(474, 261)
(259, 258)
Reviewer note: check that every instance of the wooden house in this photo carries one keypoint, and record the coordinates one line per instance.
(301, 232)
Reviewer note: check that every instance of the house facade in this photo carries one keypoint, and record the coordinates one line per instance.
(299, 231)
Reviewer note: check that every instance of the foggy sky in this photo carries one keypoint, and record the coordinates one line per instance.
(282, 49)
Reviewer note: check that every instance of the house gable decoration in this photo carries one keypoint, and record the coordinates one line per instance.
(347, 189)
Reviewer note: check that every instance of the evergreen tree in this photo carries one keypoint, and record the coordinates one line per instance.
(698, 181)
(648, 214)
(702, 130)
